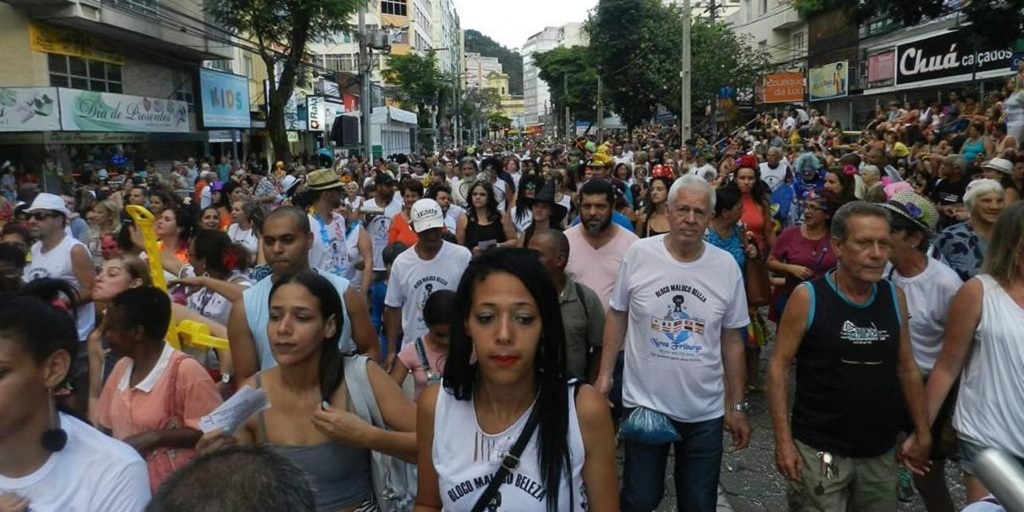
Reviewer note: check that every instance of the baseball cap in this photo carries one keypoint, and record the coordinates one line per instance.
(426, 214)
(49, 202)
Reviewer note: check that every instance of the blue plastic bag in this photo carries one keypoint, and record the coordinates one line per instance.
(650, 427)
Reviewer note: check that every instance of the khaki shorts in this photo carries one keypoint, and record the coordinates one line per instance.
(863, 484)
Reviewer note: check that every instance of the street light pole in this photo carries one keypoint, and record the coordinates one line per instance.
(365, 74)
(685, 107)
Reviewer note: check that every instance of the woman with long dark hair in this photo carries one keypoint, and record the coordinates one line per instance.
(484, 225)
(841, 183)
(522, 214)
(506, 365)
(654, 219)
(310, 392)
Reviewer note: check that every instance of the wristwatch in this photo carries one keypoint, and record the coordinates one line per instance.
(743, 406)
(225, 378)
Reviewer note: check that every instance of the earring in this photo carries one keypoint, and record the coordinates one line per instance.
(55, 438)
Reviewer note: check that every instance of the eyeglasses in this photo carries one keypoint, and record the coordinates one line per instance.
(42, 216)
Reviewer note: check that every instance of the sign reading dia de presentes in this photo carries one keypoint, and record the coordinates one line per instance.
(945, 55)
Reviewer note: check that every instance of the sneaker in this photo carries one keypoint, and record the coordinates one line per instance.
(905, 489)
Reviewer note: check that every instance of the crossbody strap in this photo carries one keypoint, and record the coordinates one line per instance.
(511, 460)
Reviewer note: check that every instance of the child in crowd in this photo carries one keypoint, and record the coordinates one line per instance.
(425, 358)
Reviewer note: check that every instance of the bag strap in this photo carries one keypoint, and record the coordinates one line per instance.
(359, 388)
(511, 460)
(172, 402)
(421, 352)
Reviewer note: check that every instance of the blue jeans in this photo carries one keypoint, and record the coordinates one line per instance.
(698, 461)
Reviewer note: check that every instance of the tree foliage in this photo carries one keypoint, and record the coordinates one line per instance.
(281, 30)
(418, 81)
(637, 48)
(573, 71)
(511, 60)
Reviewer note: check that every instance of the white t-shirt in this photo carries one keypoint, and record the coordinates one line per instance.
(929, 295)
(246, 238)
(413, 279)
(93, 472)
(451, 219)
(706, 171)
(353, 204)
(523, 223)
(329, 251)
(353, 275)
(213, 305)
(56, 263)
(677, 312)
(774, 177)
(377, 225)
(205, 197)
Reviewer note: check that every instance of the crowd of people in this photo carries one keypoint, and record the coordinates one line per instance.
(540, 298)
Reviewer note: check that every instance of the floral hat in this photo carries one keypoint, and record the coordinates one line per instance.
(915, 208)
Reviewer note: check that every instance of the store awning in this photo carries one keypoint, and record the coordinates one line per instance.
(382, 115)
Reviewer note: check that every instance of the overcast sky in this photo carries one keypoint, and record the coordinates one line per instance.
(511, 22)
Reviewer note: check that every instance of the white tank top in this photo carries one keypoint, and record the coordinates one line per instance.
(56, 263)
(990, 408)
(353, 275)
(464, 470)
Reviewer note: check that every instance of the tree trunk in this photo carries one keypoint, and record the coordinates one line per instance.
(282, 91)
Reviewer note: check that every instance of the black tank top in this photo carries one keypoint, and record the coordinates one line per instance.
(475, 233)
(848, 394)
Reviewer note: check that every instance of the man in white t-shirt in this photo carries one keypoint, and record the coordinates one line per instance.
(775, 171)
(678, 306)
(378, 213)
(703, 169)
(58, 255)
(430, 265)
(329, 252)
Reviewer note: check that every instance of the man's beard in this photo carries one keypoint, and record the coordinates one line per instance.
(599, 229)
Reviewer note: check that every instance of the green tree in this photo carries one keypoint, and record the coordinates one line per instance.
(418, 85)
(637, 45)
(281, 30)
(571, 75)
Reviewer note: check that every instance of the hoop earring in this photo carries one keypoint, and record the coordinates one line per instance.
(55, 438)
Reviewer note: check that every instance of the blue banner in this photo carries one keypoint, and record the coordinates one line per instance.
(225, 100)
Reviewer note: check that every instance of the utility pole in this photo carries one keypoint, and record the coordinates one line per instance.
(565, 94)
(600, 108)
(685, 108)
(365, 74)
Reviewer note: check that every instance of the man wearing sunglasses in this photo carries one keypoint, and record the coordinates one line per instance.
(58, 255)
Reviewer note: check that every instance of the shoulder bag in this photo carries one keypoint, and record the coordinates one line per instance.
(510, 462)
(393, 488)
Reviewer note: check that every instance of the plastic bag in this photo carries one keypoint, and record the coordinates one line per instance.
(649, 427)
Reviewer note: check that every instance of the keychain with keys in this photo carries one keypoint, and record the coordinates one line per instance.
(828, 471)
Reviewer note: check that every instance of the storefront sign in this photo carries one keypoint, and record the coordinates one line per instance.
(224, 135)
(88, 111)
(332, 110)
(881, 68)
(93, 138)
(293, 136)
(783, 88)
(945, 55)
(829, 81)
(315, 113)
(29, 109)
(61, 41)
(225, 101)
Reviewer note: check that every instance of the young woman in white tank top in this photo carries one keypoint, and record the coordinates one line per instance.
(983, 340)
(507, 357)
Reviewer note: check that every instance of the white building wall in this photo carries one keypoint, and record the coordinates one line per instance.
(477, 69)
(775, 26)
(536, 97)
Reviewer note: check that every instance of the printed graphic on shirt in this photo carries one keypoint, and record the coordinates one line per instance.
(33, 273)
(377, 227)
(521, 485)
(864, 344)
(423, 288)
(677, 334)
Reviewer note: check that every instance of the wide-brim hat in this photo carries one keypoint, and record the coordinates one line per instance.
(323, 179)
(466, 186)
(915, 208)
(546, 195)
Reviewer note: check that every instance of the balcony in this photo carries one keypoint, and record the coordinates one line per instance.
(140, 24)
(787, 20)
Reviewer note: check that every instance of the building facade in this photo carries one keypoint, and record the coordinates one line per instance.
(478, 68)
(536, 97)
(113, 81)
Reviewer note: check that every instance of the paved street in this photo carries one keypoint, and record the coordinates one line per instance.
(749, 478)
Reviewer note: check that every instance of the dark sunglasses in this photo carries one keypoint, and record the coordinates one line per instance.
(42, 216)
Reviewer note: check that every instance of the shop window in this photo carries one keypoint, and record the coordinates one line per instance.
(394, 7)
(86, 74)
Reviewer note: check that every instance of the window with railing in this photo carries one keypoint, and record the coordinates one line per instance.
(394, 7)
(341, 62)
(147, 7)
(85, 74)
